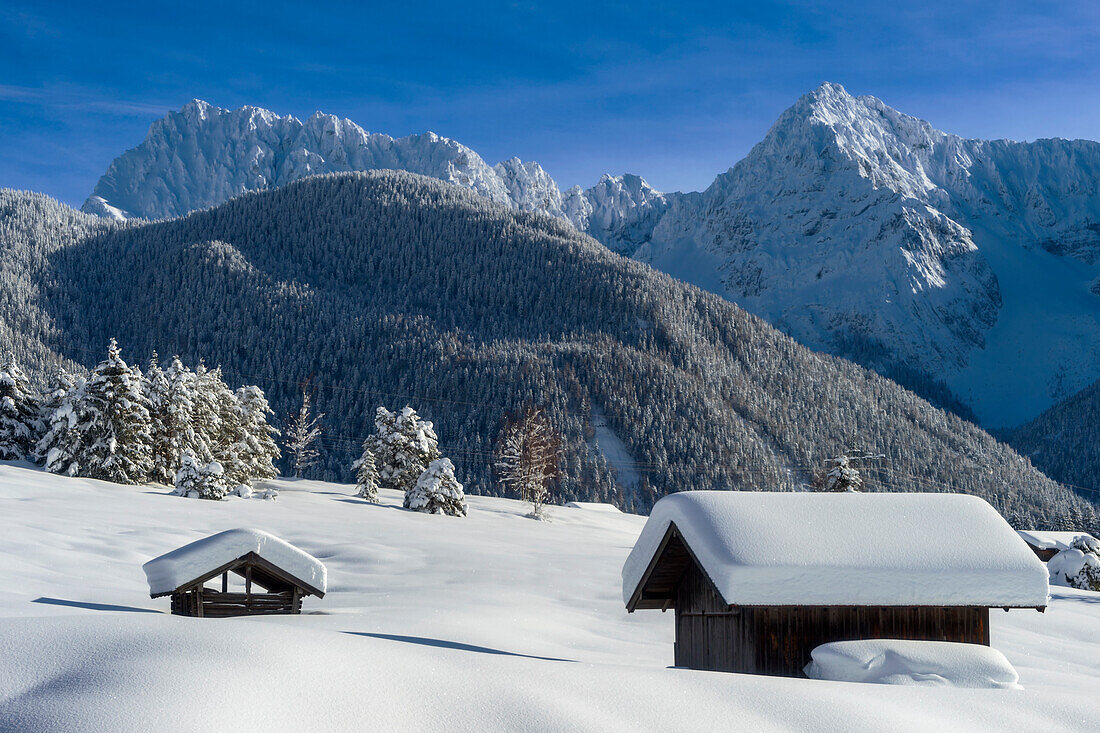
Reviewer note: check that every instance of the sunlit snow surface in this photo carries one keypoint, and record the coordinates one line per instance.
(491, 622)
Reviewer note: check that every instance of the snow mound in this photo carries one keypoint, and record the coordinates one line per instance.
(771, 548)
(1069, 563)
(594, 506)
(181, 566)
(927, 663)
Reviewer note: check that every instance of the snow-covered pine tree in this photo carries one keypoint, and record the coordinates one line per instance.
(229, 441)
(200, 480)
(61, 443)
(437, 491)
(57, 392)
(257, 447)
(157, 391)
(842, 473)
(110, 437)
(206, 414)
(174, 422)
(19, 413)
(366, 474)
(403, 445)
(527, 455)
(302, 431)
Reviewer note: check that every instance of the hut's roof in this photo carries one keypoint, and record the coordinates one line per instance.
(1050, 540)
(824, 549)
(190, 562)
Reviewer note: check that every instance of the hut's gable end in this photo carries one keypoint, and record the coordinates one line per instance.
(661, 582)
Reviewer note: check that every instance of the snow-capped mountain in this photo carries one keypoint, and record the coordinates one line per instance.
(868, 233)
(853, 227)
(203, 155)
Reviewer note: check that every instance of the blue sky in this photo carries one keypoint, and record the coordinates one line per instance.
(674, 91)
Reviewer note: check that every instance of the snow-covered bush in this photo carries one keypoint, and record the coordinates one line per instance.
(1078, 566)
(403, 446)
(437, 491)
(200, 481)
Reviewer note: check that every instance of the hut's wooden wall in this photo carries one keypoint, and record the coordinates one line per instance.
(215, 604)
(777, 640)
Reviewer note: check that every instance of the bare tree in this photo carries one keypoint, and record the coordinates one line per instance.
(527, 456)
(842, 473)
(302, 430)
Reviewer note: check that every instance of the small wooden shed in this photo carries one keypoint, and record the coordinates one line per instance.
(283, 573)
(759, 579)
(1045, 544)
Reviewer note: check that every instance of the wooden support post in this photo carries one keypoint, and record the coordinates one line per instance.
(225, 582)
(248, 587)
(198, 602)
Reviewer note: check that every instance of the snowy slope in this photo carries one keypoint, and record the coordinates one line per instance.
(494, 622)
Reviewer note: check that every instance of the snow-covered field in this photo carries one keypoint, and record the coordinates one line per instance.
(490, 622)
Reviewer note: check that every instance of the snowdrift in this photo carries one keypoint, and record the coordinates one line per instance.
(899, 662)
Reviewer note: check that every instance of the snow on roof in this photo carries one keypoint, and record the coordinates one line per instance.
(769, 548)
(1050, 540)
(181, 566)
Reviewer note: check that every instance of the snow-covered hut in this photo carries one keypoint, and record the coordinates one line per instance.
(285, 573)
(1048, 544)
(759, 579)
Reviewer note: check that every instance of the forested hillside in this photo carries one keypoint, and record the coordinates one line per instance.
(1064, 441)
(390, 288)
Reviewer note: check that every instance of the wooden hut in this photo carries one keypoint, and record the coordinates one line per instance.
(1046, 545)
(276, 575)
(759, 579)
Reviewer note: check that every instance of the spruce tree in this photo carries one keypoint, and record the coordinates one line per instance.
(257, 446)
(229, 444)
(111, 433)
(206, 414)
(57, 444)
(366, 475)
(437, 491)
(19, 413)
(403, 445)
